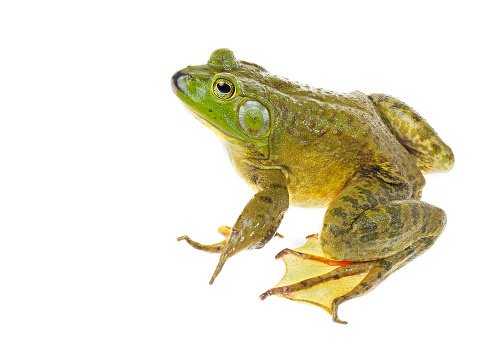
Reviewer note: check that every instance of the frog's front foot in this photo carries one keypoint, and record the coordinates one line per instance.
(227, 247)
(217, 247)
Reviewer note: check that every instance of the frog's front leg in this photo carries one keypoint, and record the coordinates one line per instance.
(258, 222)
(375, 225)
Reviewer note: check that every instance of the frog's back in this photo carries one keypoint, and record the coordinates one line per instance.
(317, 111)
(327, 139)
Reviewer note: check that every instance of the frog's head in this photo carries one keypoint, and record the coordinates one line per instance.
(225, 95)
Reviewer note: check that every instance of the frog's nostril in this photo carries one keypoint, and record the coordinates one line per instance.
(177, 81)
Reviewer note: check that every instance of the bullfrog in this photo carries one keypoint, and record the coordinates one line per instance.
(360, 156)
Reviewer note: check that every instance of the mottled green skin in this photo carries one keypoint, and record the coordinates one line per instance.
(361, 156)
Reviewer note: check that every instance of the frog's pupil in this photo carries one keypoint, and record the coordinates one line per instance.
(223, 87)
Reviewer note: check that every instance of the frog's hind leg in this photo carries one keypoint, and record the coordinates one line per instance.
(421, 140)
(378, 233)
(326, 283)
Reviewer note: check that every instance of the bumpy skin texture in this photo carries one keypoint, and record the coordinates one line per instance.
(360, 156)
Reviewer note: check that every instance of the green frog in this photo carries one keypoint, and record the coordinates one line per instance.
(360, 156)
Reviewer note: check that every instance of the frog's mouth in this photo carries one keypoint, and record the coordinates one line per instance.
(175, 80)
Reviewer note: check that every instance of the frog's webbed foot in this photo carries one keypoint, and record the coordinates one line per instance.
(312, 278)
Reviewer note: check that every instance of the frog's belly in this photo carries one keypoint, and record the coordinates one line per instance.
(308, 191)
(311, 200)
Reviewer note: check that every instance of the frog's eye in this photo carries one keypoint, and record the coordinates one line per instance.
(254, 118)
(223, 88)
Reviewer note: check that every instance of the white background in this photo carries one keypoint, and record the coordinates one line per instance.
(101, 169)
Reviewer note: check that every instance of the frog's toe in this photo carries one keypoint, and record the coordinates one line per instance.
(212, 248)
(334, 312)
(225, 231)
(310, 257)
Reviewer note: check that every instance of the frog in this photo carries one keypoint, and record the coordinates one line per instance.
(360, 156)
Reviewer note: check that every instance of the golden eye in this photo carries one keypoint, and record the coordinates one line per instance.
(223, 88)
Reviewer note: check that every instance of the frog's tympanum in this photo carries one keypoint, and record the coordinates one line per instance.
(360, 156)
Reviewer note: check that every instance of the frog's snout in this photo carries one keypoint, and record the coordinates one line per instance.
(178, 81)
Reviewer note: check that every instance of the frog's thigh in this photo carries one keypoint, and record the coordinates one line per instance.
(356, 229)
(386, 229)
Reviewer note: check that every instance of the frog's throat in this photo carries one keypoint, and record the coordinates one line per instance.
(219, 132)
(228, 138)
